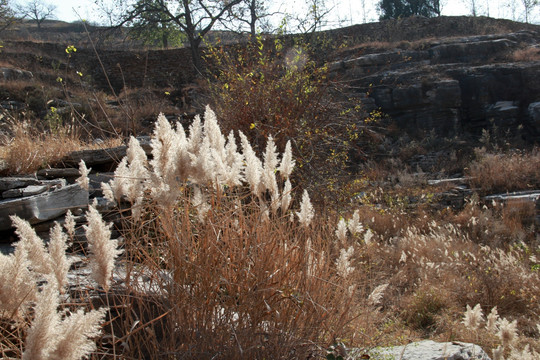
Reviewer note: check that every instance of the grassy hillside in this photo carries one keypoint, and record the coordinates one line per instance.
(308, 233)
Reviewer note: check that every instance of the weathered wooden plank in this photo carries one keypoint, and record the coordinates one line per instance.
(43, 207)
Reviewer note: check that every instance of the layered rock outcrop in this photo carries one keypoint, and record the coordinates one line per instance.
(452, 85)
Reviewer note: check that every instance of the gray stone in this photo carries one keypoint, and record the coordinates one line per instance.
(34, 190)
(503, 113)
(519, 196)
(7, 183)
(12, 193)
(429, 350)
(95, 181)
(54, 183)
(15, 74)
(43, 207)
(470, 51)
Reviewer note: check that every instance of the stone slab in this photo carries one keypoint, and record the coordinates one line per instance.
(429, 350)
(7, 183)
(43, 207)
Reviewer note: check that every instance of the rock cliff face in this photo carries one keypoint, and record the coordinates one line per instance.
(453, 85)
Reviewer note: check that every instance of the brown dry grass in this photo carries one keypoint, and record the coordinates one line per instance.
(25, 149)
(505, 172)
(531, 53)
(240, 287)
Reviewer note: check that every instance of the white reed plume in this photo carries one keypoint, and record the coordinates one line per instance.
(33, 246)
(83, 180)
(17, 282)
(183, 161)
(507, 332)
(343, 263)
(51, 338)
(377, 294)
(117, 187)
(473, 318)
(200, 203)
(341, 231)
(368, 235)
(269, 169)
(203, 164)
(42, 335)
(212, 131)
(103, 250)
(287, 163)
(253, 168)
(526, 354)
(195, 135)
(69, 224)
(138, 173)
(234, 162)
(163, 154)
(306, 213)
(286, 196)
(75, 334)
(57, 251)
(354, 224)
(491, 321)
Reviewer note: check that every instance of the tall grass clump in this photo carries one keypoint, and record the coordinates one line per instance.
(236, 269)
(502, 172)
(37, 322)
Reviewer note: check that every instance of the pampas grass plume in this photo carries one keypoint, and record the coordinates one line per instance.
(491, 322)
(287, 163)
(341, 231)
(57, 251)
(83, 180)
(51, 338)
(33, 246)
(473, 318)
(75, 334)
(507, 332)
(42, 335)
(103, 250)
(306, 213)
(17, 283)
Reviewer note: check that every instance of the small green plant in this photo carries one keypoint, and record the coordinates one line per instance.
(54, 120)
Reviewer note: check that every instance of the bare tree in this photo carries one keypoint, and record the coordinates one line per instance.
(253, 14)
(194, 17)
(472, 5)
(37, 10)
(7, 17)
(315, 18)
(528, 6)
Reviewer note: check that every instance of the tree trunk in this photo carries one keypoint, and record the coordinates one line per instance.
(195, 53)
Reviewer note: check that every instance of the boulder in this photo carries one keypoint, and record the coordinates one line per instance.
(429, 350)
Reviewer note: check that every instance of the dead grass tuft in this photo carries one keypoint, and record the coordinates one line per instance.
(531, 53)
(505, 172)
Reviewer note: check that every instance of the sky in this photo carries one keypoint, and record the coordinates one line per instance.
(343, 12)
